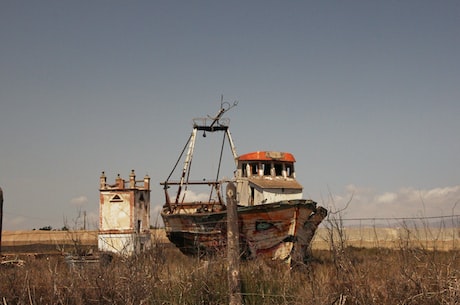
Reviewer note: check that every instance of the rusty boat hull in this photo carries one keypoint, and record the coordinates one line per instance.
(281, 230)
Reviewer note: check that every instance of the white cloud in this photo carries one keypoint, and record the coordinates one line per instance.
(15, 222)
(386, 198)
(406, 202)
(78, 201)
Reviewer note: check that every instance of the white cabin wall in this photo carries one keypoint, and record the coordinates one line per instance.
(273, 195)
(244, 193)
(276, 196)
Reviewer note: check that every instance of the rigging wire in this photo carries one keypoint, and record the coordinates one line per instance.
(180, 157)
(218, 167)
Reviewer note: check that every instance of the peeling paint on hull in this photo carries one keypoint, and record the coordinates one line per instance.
(281, 230)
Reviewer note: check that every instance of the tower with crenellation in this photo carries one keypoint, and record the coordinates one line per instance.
(124, 215)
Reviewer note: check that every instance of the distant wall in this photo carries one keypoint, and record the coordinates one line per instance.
(429, 238)
(19, 238)
(368, 237)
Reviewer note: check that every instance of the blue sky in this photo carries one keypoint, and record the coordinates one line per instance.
(365, 94)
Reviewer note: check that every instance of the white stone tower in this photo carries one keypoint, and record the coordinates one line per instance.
(124, 215)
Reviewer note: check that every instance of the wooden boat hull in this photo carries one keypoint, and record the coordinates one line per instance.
(281, 230)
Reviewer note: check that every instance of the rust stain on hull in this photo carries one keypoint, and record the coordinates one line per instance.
(280, 230)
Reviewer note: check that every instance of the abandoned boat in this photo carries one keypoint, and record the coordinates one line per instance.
(273, 219)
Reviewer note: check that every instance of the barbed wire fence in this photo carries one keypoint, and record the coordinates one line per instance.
(442, 232)
(431, 232)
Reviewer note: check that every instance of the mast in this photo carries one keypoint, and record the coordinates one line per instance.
(232, 147)
(188, 160)
(217, 124)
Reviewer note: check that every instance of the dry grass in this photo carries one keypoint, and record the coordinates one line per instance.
(164, 276)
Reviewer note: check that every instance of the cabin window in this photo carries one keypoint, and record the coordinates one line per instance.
(278, 169)
(255, 169)
(244, 170)
(289, 170)
(266, 168)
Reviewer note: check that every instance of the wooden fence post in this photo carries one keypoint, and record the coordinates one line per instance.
(233, 253)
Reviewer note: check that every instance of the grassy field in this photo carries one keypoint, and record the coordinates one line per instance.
(407, 273)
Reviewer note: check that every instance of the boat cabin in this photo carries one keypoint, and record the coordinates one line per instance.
(266, 176)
